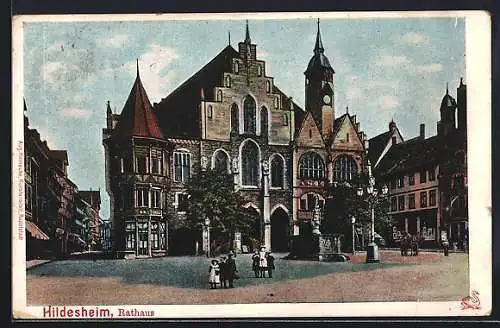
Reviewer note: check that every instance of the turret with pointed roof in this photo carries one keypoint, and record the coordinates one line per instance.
(319, 89)
(137, 118)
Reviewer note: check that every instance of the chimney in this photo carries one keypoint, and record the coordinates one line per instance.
(422, 131)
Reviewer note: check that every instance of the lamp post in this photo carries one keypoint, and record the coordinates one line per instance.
(353, 221)
(372, 253)
(207, 236)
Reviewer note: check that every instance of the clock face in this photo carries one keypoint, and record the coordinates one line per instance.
(326, 99)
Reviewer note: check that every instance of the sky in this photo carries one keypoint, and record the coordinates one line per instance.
(386, 68)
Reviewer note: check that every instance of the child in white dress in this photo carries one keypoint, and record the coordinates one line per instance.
(214, 274)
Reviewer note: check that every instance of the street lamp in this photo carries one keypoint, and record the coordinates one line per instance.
(207, 236)
(353, 221)
(372, 254)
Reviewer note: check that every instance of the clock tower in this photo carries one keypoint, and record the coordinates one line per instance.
(319, 89)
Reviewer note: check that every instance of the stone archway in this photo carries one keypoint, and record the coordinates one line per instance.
(280, 230)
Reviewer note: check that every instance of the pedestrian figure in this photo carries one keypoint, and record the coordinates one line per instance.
(263, 262)
(445, 243)
(214, 274)
(230, 269)
(256, 263)
(270, 264)
(404, 245)
(222, 269)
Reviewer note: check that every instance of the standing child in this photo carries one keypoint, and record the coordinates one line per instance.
(256, 263)
(214, 274)
(270, 264)
(222, 272)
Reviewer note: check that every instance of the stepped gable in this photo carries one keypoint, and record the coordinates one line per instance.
(137, 118)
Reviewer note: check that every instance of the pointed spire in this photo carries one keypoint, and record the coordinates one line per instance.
(318, 47)
(108, 107)
(461, 81)
(229, 37)
(137, 61)
(25, 108)
(247, 34)
(347, 109)
(446, 88)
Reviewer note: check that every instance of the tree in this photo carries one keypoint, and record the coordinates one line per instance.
(343, 203)
(212, 196)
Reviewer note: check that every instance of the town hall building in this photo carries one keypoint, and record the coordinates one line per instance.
(230, 115)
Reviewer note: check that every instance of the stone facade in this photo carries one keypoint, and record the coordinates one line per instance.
(231, 113)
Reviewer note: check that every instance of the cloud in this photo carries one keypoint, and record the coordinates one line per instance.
(151, 67)
(388, 102)
(116, 40)
(390, 61)
(74, 112)
(58, 71)
(415, 39)
(425, 69)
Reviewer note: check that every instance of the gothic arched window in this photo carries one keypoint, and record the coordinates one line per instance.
(249, 115)
(311, 166)
(250, 164)
(228, 81)
(268, 86)
(236, 68)
(344, 168)
(221, 161)
(235, 117)
(277, 168)
(219, 95)
(263, 121)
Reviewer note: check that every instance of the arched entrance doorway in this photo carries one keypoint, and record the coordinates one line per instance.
(280, 230)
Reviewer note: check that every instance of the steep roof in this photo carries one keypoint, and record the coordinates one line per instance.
(410, 155)
(137, 118)
(178, 112)
(319, 63)
(377, 145)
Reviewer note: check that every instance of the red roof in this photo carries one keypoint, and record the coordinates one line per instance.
(137, 118)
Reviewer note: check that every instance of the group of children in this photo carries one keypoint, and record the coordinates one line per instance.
(222, 272)
(262, 262)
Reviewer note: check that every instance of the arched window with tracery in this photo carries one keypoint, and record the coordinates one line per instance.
(277, 168)
(263, 121)
(235, 118)
(311, 166)
(344, 168)
(250, 164)
(249, 115)
(221, 161)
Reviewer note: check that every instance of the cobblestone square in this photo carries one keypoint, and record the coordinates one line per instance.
(184, 280)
